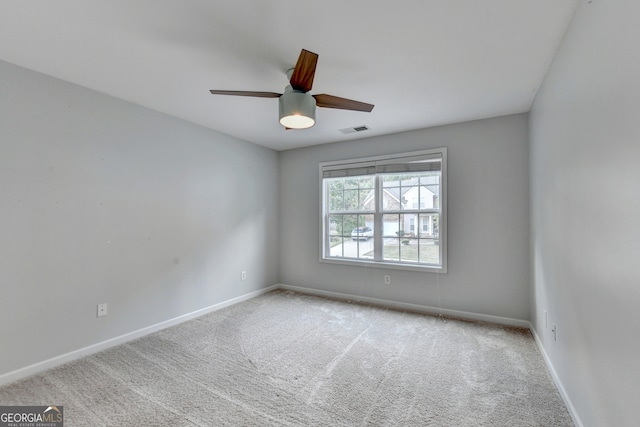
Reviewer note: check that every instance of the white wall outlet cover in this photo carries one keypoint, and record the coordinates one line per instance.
(102, 309)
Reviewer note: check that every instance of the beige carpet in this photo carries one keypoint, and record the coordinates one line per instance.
(287, 359)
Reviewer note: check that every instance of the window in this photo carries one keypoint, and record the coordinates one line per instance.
(388, 211)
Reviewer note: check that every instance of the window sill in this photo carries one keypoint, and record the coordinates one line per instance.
(385, 265)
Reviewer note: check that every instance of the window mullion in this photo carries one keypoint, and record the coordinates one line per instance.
(325, 231)
(377, 220)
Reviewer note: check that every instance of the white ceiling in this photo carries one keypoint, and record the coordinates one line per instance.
(422, 62)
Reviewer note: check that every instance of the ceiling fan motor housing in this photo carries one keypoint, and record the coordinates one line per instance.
(297, 109)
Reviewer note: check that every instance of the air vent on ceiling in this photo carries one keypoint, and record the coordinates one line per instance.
(354, 129)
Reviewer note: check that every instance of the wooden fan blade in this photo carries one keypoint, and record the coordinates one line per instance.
(330, 101)
(246, 93)
(304, 71)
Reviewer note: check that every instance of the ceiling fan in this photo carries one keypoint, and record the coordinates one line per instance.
(297, 105)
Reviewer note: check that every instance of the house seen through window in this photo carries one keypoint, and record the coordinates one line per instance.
(388, 210)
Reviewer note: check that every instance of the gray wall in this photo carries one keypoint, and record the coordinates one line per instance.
(488, 220)
(585, 212)
(105, 201)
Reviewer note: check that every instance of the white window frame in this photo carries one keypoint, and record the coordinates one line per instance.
(369, 162)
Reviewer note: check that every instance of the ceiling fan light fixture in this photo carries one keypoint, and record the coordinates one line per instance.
(297, 110)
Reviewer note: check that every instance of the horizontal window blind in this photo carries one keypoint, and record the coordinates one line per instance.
(424, 163)
(348, 170)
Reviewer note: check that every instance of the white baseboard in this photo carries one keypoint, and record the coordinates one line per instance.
(94, 348)
(556, 379)
(76, 354)
(414, 307)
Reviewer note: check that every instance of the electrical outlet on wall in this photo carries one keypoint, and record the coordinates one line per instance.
(387, 279)
(243, 275)
(102, 309)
